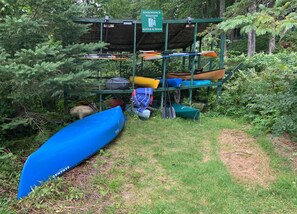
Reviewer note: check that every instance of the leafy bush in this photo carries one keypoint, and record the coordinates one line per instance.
(265, 92)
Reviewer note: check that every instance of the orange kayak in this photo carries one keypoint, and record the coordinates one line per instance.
(207, 75)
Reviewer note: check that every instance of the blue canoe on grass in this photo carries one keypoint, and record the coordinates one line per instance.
(69, 147)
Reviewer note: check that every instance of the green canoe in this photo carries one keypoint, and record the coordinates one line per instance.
(186, 111)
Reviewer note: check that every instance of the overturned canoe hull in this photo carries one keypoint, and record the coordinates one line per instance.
(207, 75)
(69, 147)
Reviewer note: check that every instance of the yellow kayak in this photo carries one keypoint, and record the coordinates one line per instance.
(145, 82)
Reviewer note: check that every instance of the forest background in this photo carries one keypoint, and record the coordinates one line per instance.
(40, 57)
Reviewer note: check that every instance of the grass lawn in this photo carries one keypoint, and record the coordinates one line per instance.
(217, 165)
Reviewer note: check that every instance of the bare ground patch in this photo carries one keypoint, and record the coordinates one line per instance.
(245, 159)
(286, 148)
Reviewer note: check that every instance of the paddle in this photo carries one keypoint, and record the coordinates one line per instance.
(151, 55)
(168, 112)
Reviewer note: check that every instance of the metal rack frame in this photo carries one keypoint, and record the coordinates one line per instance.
(196, 22)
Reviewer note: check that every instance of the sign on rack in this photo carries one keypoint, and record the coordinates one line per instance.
(151, 21)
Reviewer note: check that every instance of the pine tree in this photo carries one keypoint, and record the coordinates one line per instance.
(40, 57)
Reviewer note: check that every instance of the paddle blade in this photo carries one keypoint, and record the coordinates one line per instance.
(168, 112)
(151, 55)
(209, 54)
(148, 53)
(172, 112)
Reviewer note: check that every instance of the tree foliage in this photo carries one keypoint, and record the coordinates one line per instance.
(265, 92)
(40, 58)
(172, 9)
(40, 53)
(276, 20)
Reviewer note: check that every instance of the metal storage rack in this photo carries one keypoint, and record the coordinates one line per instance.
(127, 35)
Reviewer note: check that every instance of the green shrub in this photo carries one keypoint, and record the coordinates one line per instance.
(265, 92)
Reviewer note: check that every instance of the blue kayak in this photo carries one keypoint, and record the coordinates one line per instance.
(69, 147)
(172, 82)
(196, 82)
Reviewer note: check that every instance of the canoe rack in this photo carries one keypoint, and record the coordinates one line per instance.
(219, 85)
(128, 38)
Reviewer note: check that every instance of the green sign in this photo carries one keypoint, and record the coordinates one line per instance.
(151, 21)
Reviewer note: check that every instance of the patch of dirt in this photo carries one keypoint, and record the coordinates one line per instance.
(286, 148)
(245, 159)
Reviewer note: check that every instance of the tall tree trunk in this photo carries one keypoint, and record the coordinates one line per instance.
(252, 33)
(271, 44)
(251, 43)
